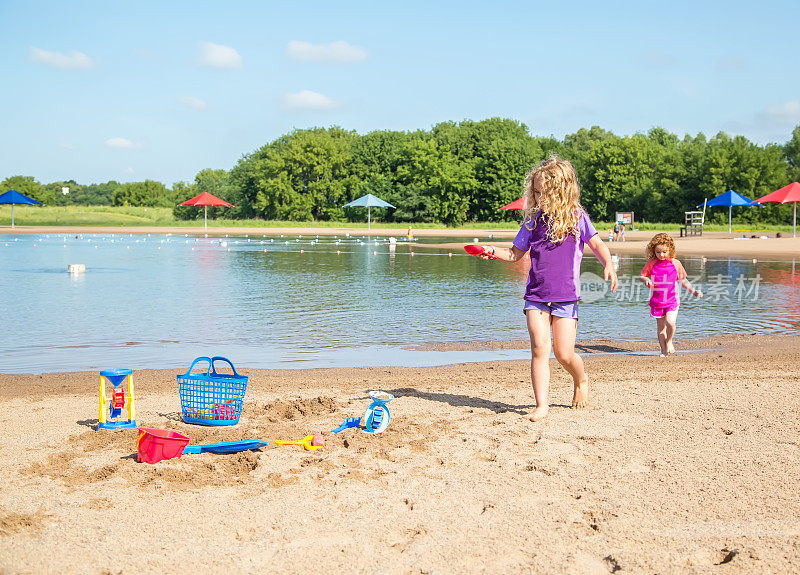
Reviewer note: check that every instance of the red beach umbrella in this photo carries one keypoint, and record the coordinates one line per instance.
(519, 204)
(790, 193)
(205, 199)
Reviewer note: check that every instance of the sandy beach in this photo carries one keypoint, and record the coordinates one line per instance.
(685, 464)
(679, 465)
(710, 244)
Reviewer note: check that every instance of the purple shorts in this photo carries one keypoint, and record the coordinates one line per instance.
(660, 310)
(556, 308)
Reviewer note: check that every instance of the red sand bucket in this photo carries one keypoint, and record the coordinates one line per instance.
(154, 445)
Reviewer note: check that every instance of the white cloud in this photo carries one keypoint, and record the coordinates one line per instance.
(308, 100)
(129, 170)
(192, 102)
(217, 56)
(334, 53)
(122, 143)
(785, 114)
(68, 146)
(74, 61)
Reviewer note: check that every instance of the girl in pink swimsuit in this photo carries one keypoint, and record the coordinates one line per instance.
(661, 274)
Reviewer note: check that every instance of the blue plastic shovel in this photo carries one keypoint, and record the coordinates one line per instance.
(226, 446)
(347, 424)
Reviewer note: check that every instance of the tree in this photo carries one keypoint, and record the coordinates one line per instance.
(617, 170)
(462, 171)
(791, 153)
(499, 154)
(95, 194)
(183, 191)
(302, 176)
(148, 193)
(54, 190)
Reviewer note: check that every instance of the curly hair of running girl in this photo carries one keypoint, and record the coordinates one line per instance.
(660, 240)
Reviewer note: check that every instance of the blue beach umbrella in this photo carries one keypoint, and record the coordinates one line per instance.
(14, 197)
(730, 199)
(369, 201)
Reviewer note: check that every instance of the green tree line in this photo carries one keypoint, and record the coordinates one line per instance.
(461, 172)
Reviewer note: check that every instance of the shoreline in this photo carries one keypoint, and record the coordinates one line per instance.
(711, 244)
(399, 232)
(585, 348)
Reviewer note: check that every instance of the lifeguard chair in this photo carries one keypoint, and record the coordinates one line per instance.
(694, 223)
(111, 406)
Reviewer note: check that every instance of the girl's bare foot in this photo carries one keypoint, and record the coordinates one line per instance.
(670, 349)
(539, 413)
(580, 398)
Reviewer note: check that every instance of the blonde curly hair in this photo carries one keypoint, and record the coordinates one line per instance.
(559, 200)
(660, 240)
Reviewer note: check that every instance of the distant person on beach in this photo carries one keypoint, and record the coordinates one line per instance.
(622, 232)
(554, 230)
(661, 274)
(410, 233)
(610, 235)
(616, 231)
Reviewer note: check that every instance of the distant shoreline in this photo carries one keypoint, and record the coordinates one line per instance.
(267, 231)
(710, 244)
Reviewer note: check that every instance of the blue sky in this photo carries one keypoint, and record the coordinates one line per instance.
(127, 91)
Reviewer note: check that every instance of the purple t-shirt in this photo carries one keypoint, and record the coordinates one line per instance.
(555, 268)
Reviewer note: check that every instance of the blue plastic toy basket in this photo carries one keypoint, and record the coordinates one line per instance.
(211, 398)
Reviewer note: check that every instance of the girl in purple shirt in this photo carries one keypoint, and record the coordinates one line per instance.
(554, 231)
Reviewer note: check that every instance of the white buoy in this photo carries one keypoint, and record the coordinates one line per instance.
(76, 268)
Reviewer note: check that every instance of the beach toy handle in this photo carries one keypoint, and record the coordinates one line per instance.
(202, 358)
(212, 370)
(288, 442)
(226, 360)
(476, 250)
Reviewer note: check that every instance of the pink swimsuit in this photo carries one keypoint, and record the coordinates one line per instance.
(665, 274)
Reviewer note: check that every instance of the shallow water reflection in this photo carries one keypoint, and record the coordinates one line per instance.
(159, 301)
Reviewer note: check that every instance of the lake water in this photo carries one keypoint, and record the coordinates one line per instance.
(159, 301)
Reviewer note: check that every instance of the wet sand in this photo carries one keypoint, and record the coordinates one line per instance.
(685, 464)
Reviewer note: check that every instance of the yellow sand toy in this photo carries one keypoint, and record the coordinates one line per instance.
(111, 406)
(309, 442)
